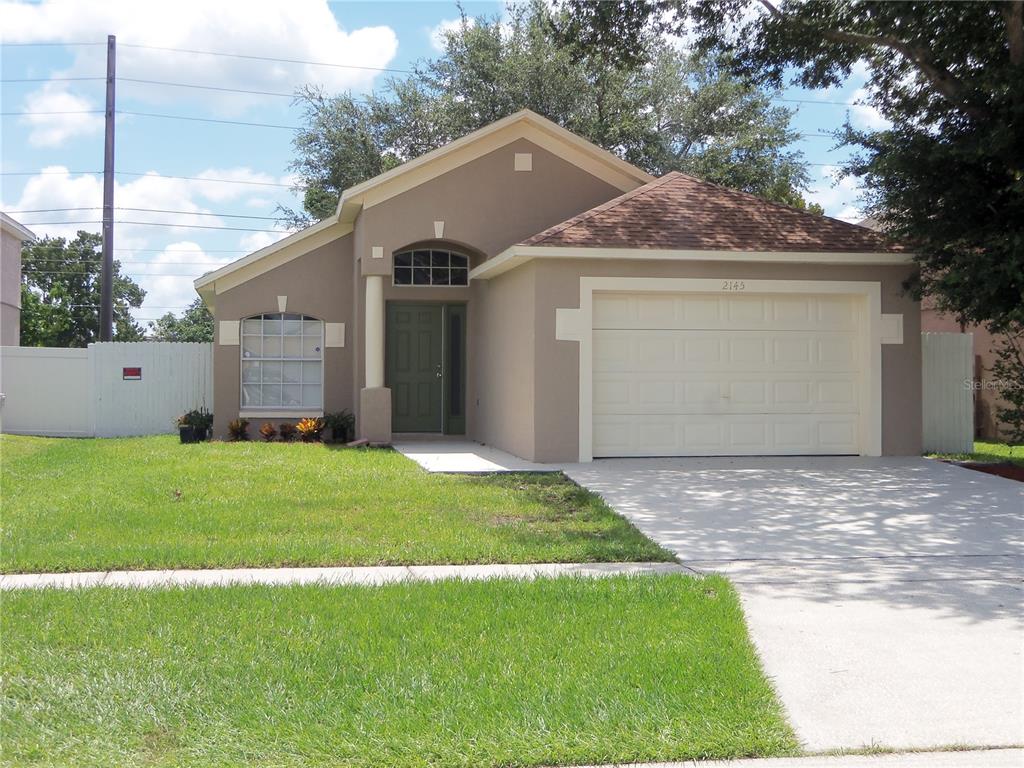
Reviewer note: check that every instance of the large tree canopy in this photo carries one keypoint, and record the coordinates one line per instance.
(195, 324)
(679, 112)
(948, 176)
(60, 294)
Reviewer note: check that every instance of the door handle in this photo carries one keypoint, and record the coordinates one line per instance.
(437, 370)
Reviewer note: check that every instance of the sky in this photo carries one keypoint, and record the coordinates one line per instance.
(234, 175)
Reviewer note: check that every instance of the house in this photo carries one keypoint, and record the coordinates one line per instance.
(12, 235)
(531, 291)
(987, 400)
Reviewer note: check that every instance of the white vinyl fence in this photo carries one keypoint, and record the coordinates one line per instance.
(947, 373)
(111, 389)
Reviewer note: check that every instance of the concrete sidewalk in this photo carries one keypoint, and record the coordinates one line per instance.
(367, 576)
(984, 758)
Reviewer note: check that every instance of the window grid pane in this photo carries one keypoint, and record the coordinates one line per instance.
(431, 267)
(282, 361)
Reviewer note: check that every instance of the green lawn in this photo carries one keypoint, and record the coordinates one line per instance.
(997, 453)
(71, 505)
(562, 671)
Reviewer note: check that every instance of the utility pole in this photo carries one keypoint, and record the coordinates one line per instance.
(107, 276)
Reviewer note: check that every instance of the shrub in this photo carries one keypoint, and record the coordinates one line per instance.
(310, 429)
(341, 424)
(287, 432)
(267, 431)
(239, 429)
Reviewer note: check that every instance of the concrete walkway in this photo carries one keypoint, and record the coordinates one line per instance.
(465, 458)
(986, 758)
(331, 576)
(884, 595)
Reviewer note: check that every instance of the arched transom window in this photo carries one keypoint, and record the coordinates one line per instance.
(282, 361)
(430, 266)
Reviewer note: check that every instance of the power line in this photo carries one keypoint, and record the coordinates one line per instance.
(45, 173)
(136, 273)
(268, 58)
(149, 210)
(5, 81)
(205, 87)
(203, 178)
(26, 45)
(148, 224)
(202, 120)
(55, 112)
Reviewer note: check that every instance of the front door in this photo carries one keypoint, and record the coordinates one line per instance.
(415, 357)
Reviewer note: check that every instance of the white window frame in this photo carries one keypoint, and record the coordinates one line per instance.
(279, 411)
(413, 268)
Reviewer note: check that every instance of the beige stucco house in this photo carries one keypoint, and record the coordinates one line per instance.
(531, 291)
(12, 235)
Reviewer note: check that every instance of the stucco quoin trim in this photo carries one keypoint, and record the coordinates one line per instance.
(576, 324)
(516, 255)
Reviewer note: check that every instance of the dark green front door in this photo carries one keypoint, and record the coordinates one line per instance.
(415, 358)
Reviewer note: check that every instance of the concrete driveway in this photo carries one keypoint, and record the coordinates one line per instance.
(884, 595)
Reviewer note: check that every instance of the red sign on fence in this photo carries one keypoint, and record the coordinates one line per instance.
(131, 374)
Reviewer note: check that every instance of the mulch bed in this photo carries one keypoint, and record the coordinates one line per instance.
(1011, 471)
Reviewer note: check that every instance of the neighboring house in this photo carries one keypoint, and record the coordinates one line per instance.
(531, 291)
(987, 401)
(986, 389)
(12, 235)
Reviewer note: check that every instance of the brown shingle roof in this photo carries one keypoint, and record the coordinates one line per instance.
(681, 212)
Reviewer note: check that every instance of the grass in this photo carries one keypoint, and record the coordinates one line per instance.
(995, 453)
(502, 673)
(135, 503)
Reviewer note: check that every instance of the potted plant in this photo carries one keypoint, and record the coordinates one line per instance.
(200, 420)
(238, 429)
(267, 431)
(310, 429)
(340, 425)
(185, 430)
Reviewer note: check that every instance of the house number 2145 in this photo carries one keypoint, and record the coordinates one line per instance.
(733, 285)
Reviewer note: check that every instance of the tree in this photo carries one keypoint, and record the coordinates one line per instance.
(948, 176)
(1008, 371)
(680, 113)
(195, 324)
(60, 294)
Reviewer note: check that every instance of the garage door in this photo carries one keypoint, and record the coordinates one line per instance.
(734, 374)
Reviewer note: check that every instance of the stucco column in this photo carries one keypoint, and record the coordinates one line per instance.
(375, 398)
(374, 331)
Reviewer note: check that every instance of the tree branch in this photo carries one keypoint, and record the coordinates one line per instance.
(945, 82)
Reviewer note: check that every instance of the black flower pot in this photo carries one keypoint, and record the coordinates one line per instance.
(187, 434)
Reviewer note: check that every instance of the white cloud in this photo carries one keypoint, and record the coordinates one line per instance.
(301, 30)
(837, 195)
(437, 33)
(863, 114)
(168, 277)
(256, 240)
(48, 127)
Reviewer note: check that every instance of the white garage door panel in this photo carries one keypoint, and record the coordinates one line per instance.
(687, 393)
(695, 311)
(732, 374)
(649, 351)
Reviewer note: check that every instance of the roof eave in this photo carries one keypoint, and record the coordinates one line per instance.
(517, 255)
